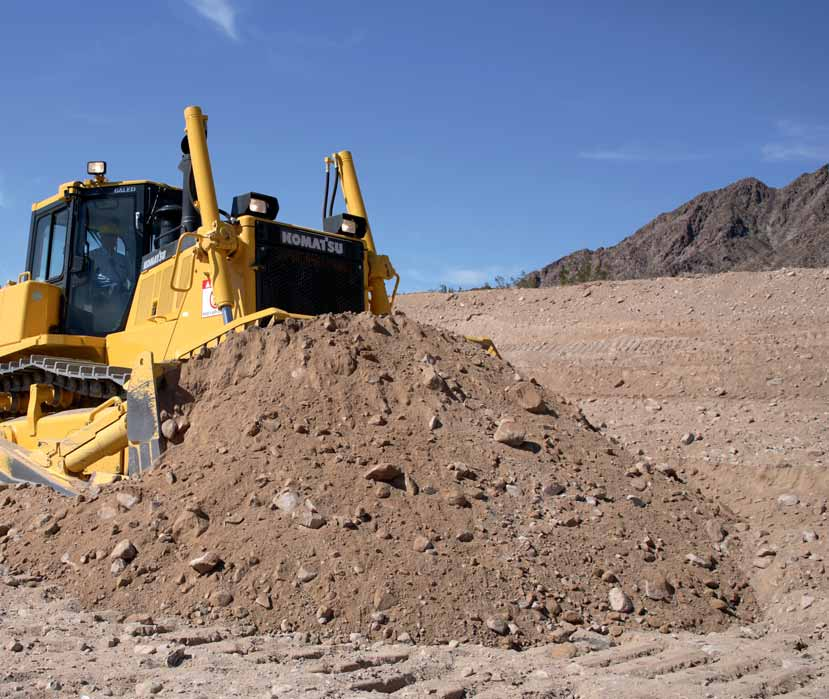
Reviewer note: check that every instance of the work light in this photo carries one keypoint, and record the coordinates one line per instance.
(96, 167)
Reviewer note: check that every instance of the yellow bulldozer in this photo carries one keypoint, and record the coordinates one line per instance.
(125, 278)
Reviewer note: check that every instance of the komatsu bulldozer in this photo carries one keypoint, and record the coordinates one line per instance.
(125, 278)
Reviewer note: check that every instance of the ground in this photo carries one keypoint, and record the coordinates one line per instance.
(723, 378)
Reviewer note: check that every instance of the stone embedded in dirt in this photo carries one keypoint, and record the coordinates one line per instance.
(422, 544)
(806, 601)
(528, 397)
(464, 537)
(206, 563)
(287, 501)
(656, 587)
(305, 575)
(308, 519)
(383, 472)
(148, 688)
(383, 600)
(14, 646)
(221, 598)
(809, 536)
(169, 429)
(456, 498)
(264, 601)
(788, 500)
(189, 525)
(432, 380)
(718, 604)
(127, 499)
(124, 550)
(714, 529)
(619, 601)
(687, 438)
(702, 561)
(411, 486)
(118, 566)
(510, 433)
(498, 625)
(435, 423)
(552, 489)
(176, 657)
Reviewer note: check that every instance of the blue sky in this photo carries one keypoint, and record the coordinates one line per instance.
(490, 137)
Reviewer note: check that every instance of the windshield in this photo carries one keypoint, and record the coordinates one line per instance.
(107, 242)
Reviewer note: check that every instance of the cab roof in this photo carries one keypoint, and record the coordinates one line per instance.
(68, 188)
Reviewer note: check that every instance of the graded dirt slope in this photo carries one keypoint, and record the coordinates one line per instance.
(739, 360)
(347, 476)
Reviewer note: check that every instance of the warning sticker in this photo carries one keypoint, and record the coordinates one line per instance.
(208, 303)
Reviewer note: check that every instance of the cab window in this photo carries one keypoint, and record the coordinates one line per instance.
(50, 245)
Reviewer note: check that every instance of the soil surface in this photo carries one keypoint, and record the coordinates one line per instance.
(708, 394)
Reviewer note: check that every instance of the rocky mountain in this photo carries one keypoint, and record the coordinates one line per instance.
(744, 226)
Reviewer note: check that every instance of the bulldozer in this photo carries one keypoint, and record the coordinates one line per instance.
(125, 279)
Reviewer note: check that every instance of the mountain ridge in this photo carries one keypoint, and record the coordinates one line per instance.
(744, 226)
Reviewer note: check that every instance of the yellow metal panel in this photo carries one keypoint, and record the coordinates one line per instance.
(27, 310)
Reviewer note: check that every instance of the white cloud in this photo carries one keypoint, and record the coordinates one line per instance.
(641, 153)
(221, 12)
(798, 141)
(476, 276)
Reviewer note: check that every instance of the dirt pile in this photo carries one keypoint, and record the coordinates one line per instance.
(379, 476)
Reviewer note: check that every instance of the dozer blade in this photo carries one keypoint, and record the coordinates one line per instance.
(486, 343)
(143, 430)
(16, 466)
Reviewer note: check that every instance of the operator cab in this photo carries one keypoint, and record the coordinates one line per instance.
(89, 241)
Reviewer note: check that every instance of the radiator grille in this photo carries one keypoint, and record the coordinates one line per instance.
(294, 276)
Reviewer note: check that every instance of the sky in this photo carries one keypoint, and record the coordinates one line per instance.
(489, 137)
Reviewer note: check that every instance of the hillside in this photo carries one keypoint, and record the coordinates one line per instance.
(744, 226)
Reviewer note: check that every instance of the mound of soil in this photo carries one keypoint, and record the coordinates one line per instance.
(376, 475)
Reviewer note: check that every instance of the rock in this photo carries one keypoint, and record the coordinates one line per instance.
(528, 396)
(118, 566)
(221, 598)
(562, 634)
(382, 491)
(14, 646)
(701, 561)
(510, 433)
(383, 472)
(763, 563)
(788, 500)
(308, 519)
(435, 423)
(715, 530)
(591, 640)
(52, 529)
(464, 537)
(124, 550)
(175, 657)
(657, 587)
(287, 501)
(619, 601)
(456, 498)
(128, 500)
(305, 575)
(810, 536)
(552, 489)
(412, 488)
(421, 544)
(718, 604)
(324, 615)
(571, 617)
(498, 625)
(206, 563)
(148, 688)
(383, 600)
(189, 525)
(264, 601)
(764, 551)
(169, 429)
(687, 438)
(563, 651)
(432, 380)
